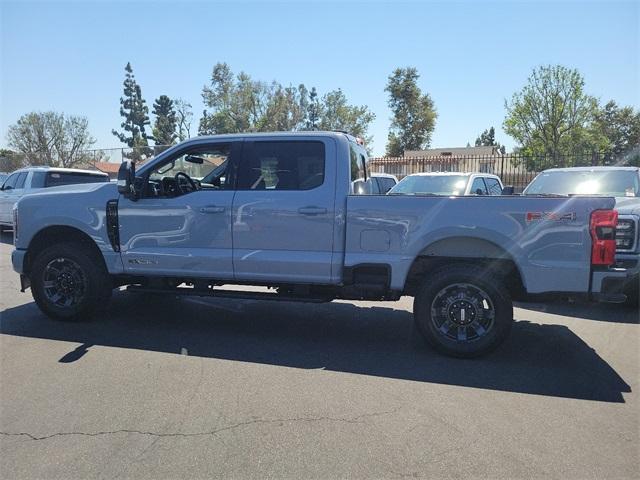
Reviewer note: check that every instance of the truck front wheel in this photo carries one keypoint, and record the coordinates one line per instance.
(70, 282)
(463, 310)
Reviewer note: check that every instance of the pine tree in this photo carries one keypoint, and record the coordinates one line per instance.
(313, 110)
(135, 112)
(164, 128)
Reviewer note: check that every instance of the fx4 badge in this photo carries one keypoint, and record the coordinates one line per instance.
(552, 216)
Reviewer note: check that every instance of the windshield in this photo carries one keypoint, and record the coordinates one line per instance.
(615, 183)
(431, 184)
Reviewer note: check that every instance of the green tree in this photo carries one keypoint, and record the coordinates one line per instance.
(313, 110)
(135, 112)
(235, 103)
(414, 114)
(164, 128)
(337, 114)
(51, 138)
(488, 139)
(620, 126)
(552, 115)
(184, 117)
(10, 160)
(286, 109)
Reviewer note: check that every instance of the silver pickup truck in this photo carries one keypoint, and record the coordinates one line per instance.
(278, 210)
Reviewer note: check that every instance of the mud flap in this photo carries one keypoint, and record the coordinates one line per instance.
(25, 283)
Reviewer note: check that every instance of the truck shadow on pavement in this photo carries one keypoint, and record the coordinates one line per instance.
(603, 312)
(340, 337)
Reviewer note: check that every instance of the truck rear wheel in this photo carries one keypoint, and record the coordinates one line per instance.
(70, 282)
(463, 310)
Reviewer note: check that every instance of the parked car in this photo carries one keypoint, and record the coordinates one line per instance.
(376, 184)
(34, 179)
(279, 213)
(3, 177)
(622, 183)
(448, 183)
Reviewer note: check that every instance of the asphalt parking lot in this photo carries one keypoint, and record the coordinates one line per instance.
(201, 388)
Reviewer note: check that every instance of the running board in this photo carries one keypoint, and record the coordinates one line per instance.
(238, 294)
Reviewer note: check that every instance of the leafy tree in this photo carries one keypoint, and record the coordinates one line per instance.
(488, 139)
(135, 112)
(337, 114)
(184, 117)
(414, 114)
(51, 138)
(237, 104)
(10, 160)
(551, 116)
(620, 126)
(286, 109)
(164, 128)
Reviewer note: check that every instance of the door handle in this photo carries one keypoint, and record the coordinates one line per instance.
(211, 209)
(312, 210)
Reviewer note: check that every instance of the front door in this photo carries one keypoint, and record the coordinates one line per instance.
(182, 224)
(283, 211)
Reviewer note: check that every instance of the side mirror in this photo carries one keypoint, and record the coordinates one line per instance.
(479, 191)
(126, 179)
(508, 190)
(360, 187)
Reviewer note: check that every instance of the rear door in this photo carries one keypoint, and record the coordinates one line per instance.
(283, 210)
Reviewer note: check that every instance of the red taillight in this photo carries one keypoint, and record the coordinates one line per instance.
(603, 233)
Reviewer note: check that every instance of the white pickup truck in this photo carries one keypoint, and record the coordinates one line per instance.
(32, 179)
(279, 210)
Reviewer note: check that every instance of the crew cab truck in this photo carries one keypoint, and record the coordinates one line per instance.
(278, 210)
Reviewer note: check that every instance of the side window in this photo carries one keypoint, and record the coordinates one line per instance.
(387, 184)
(282, 165)
(10, 183)
(493, 186)
(38, 179)
(478, 187)
(21, 179)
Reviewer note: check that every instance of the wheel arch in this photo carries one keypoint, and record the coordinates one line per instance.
(55, 234)
(466, 250)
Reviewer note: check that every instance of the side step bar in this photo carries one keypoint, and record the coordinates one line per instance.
(239, 294)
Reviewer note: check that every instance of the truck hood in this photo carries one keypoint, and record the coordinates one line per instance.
(628, 205)
(76, 189)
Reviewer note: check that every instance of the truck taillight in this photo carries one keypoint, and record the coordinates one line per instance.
(603, 235)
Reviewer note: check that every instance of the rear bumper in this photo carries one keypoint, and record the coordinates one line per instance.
(612, 285)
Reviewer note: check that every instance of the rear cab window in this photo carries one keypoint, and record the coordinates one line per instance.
(493, 186)
(56, 179)
(478, 187)
(282, 165)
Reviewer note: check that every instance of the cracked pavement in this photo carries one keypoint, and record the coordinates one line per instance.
(199, 388)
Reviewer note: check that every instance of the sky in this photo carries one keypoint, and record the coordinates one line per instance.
(471, 56)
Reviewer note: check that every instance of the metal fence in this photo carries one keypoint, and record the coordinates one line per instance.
(514, 169)
(119, 155)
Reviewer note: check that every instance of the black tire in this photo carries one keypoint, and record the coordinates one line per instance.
(81, 272)
(463, 310)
